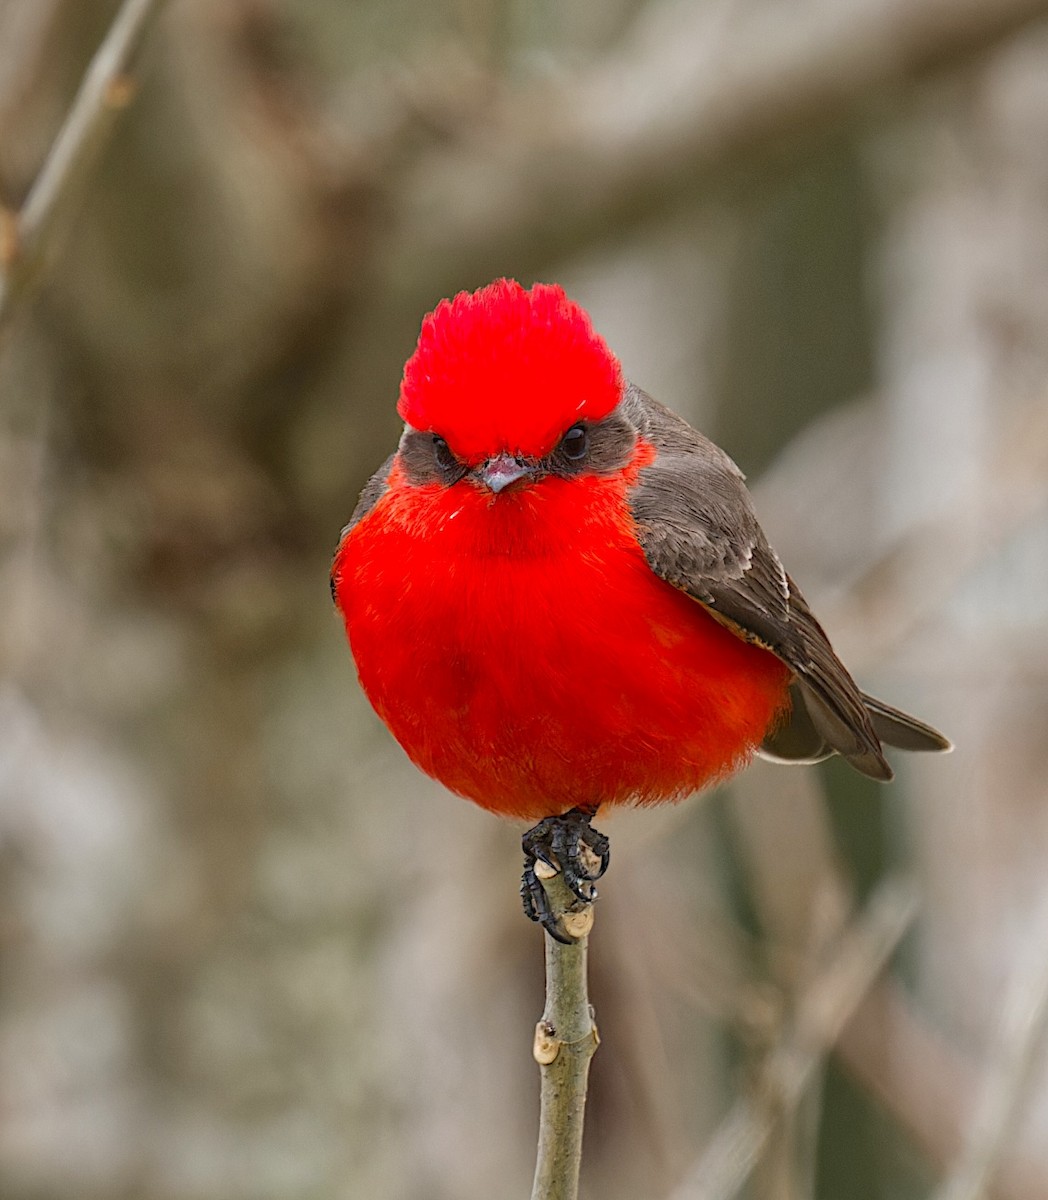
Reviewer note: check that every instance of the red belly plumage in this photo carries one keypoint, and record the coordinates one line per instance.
(523, 653)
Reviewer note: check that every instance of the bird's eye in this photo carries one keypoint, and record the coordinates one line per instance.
(445, 459)
(575, 443)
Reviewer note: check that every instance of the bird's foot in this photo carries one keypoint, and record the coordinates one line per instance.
(566, 845)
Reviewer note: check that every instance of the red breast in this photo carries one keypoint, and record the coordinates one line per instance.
(522, 651)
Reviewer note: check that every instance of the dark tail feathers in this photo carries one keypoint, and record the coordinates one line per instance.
(800, 740)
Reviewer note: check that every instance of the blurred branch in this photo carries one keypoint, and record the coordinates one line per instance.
(923, 1081)
(565, 1040)
(902, 586)
(30, 234)
(823, 1010)
(912, 581)
(23, 27)
(927, 1086)
(1022, 1033)
(787, 847)
(696, 90)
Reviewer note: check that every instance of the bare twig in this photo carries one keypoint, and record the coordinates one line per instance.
(694, 91)
(934, 557)
(23, 34)
(804, 904)
(104, 91)
(822, 1012)
(928, 1087)
(565, 1041)
(1022, 1033)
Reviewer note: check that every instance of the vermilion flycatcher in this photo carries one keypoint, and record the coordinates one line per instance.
(558, 595)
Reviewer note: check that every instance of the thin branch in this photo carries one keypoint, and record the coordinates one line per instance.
(875, 616)
(565, 1040)
(1023, 1027)
(694, 92)
(928, 1087)
(23, 34)
(823, 1010)
(804, 905)
(104, 92)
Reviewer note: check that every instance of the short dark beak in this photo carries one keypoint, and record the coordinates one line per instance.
(502, 470)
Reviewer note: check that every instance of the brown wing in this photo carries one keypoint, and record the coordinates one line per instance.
(699, 532)
(369, 497)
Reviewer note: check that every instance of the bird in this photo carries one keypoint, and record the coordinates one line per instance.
(559, 598)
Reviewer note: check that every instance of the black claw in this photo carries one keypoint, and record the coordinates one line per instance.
(564, 843)
(536, 904)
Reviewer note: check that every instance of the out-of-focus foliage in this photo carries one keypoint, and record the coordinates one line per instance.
(246, 950)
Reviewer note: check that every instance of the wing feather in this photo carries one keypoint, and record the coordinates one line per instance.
(373, 491)
(699, 532)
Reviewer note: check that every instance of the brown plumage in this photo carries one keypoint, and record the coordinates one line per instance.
(699, 532)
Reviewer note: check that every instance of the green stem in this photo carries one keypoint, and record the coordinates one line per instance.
(565, 1041)
(104, 92)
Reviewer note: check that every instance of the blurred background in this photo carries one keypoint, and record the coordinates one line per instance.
(246, 951)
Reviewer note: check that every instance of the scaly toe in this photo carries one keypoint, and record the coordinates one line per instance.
(567, 844)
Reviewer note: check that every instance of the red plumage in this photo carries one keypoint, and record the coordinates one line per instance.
(519, 645)
(508, 369)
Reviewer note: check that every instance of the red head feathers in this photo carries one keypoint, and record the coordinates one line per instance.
(503, 368)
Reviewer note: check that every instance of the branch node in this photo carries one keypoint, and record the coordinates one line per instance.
(547, 1045)
(590, 860)
(565, 1041)
(120, 91)
(577, 925)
